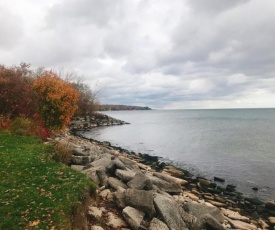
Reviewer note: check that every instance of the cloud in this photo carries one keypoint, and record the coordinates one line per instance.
(176, 54)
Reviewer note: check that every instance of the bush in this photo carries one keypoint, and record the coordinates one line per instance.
(61, 153)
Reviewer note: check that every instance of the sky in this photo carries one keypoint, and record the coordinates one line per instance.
(176, 54)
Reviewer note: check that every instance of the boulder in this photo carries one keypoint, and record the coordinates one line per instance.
(133, 216)
(171, 213)
(199, 210)
(115, 183)
(119, 198)
(206, 222)
(141, 200)
(115, 221)
(81, 160)
(254, 201)
(156, 224)
(118, 163)
(173, 171)
(164, 185)
(125, 175)
(169, 178)
(92, 174)
(80, 152)
(140, 181)
(105, 162)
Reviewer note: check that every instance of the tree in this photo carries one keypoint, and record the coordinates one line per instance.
(16, 94)
(57, 100)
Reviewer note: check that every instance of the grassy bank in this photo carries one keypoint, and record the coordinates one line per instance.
(35, 192)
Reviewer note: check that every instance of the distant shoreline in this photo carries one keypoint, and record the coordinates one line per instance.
(121, 107)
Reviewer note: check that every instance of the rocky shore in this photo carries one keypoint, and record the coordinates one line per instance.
(138, 191)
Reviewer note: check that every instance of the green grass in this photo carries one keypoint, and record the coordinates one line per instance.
(35, 192)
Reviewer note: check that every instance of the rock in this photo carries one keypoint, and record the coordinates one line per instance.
(77, 167)
(219, 179)
(255, 188)
(119, 198)
(130, 164)
(234, 215)
(204, 182)
(115, 183)
(125, 175)
(230, 188)
(199, 210)
(237, 224)
(170, 179)
(156, 224)
(80, 152)
(92, 174)
(105, 161)
(254, 201)
(114, 221)
(271, 220)
(101, 173)
(140, 181)
(192, 196)
(173, 171)
(133, 216)
(164, 185)
(95, 227)
(270, 205)
(207, 222)
(105, 194)
(141, 200)
(95, 212)
(171, 213)
(81, 160)
(214, 190)
(217, 204)
(119, 164)
(263, 224)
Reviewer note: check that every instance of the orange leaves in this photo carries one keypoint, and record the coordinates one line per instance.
(57, 100)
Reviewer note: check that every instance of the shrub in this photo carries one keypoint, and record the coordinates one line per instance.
(61, 153)
(57, 100)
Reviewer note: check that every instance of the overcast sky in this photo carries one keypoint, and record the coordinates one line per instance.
(176, 54)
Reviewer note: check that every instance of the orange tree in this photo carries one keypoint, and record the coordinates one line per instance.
(57, 100)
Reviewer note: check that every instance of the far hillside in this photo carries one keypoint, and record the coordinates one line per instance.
(121, 107)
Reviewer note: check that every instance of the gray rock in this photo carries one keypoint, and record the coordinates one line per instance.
(133, 216)
(115, 183)
(119, 164)
(199, 210)
(80, 152)
(125, 175)
(77, 167)
(156, 224)
(171, 213)
(141, 200)
(101, 173)
(206, 221)
(92, 174)
(130, 164)
(140, 181)
(81, 160)
(164, 185)
(119, 198)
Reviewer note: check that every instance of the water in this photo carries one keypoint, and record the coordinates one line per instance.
(235, 144)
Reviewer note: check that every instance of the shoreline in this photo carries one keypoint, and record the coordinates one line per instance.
(198, 189)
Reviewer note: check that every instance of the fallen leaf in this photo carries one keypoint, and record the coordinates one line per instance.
(34, 223)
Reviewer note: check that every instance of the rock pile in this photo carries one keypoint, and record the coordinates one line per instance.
(88, 122)
(158, 196)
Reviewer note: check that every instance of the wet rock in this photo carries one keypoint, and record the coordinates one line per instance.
(254, 201)
(255, 188)
(230, 188)
(125, 175)
(219, 179)
(156, 224)
(133, 216)
(214, 191)
(270, 205)
(142, 200)
(170, 212)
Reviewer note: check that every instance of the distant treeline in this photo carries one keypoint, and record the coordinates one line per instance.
(121, 107)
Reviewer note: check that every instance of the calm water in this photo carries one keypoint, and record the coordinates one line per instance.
(235, 144)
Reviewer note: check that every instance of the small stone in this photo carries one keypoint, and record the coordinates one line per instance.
(219, 179)
(263, 224)
(104, 194)
(217, 204)
(204, 182)
(234, 215)
(237, 224)
(270, 205)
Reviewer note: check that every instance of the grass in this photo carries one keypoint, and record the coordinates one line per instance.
(35, 192)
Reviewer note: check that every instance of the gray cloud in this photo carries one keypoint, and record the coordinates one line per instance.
(176, 54)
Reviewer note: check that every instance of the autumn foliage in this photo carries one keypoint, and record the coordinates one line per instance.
(57, 100)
